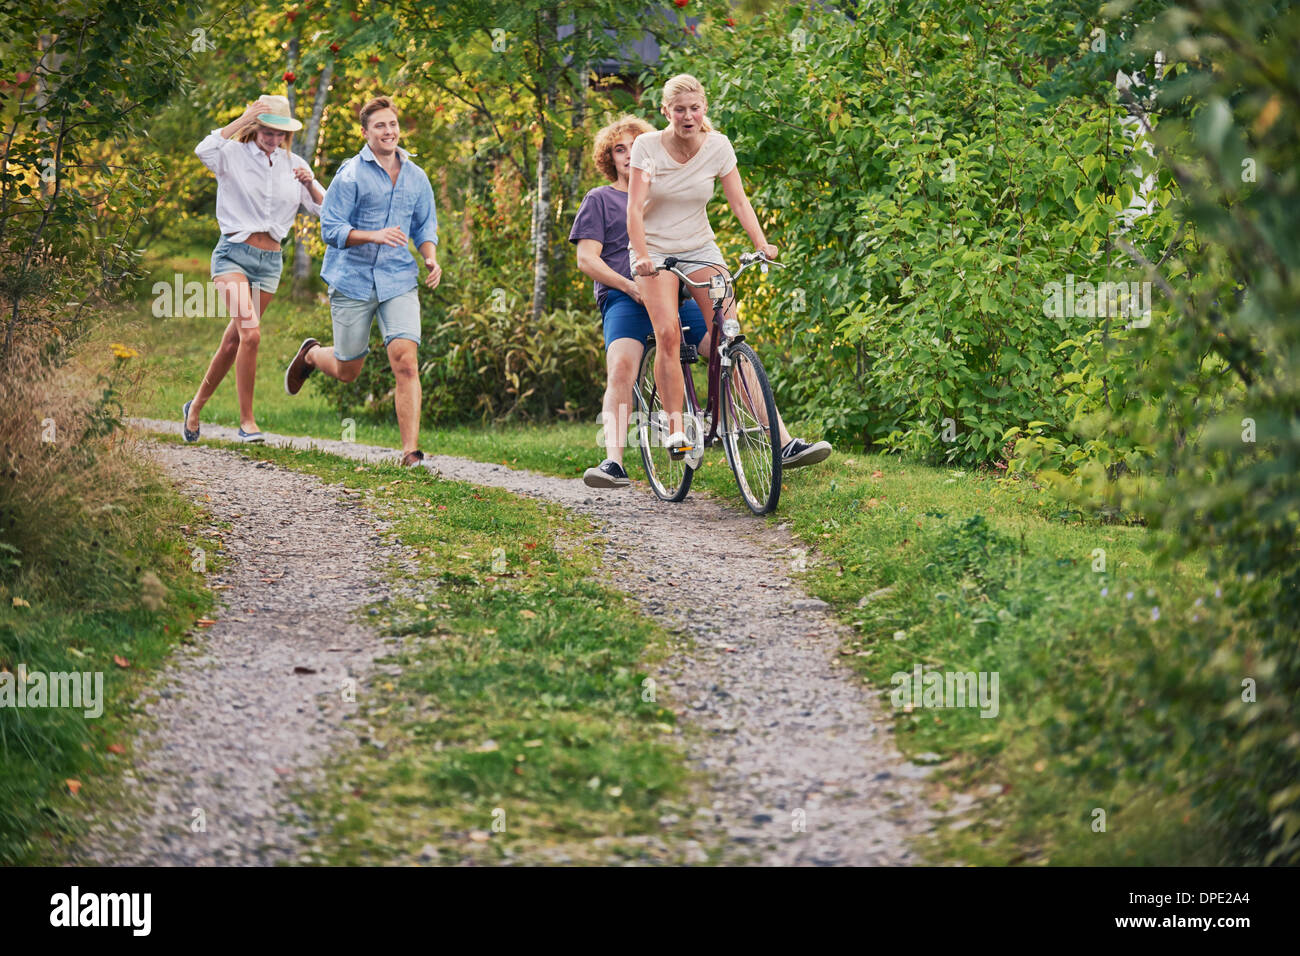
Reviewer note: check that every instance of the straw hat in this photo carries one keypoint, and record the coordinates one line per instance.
(278, 117)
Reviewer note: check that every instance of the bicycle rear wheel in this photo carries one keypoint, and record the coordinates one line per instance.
(671, 480)
(749, 430)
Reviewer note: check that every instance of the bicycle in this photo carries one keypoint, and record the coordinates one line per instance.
(737, 382)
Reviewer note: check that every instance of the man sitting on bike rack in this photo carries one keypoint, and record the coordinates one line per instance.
(600, 233)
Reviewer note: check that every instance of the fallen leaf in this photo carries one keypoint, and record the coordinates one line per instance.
(479, 836)
(877, 474)
(529, 545)
(19, 602)
(121, 661)
(527, 613)
(74, 786)
(116, 749)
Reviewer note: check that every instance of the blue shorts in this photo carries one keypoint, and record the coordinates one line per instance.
(259, 266)
(399, 318)
(625, 318)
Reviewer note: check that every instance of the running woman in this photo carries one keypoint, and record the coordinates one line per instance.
(261, 185)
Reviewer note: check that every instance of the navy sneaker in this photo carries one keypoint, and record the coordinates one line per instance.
(799, 453)
(252, 438)
(608, 474)
(189, 436)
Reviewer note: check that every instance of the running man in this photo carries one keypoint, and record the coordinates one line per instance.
(378, 203)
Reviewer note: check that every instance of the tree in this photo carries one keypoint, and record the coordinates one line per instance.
(83, 78)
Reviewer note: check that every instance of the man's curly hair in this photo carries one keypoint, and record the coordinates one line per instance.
(607, 138)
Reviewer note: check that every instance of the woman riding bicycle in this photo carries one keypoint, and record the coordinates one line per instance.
(674, 170)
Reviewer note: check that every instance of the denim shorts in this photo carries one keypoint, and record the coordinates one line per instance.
(625, 318)
(261, 267)
(399, 318)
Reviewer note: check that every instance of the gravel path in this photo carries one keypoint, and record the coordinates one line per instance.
(258, 700)
(790, 738)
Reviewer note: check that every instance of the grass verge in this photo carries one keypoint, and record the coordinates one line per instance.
(519, 726)
(116, 621)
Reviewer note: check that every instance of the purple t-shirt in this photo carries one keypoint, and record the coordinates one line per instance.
(603, 217)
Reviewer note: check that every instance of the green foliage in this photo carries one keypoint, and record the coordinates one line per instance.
(481, 365)
(82, 77)
(1222, 376)
(1194, 423)
(925, 196)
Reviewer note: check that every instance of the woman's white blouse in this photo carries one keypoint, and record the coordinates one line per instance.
(255, 192)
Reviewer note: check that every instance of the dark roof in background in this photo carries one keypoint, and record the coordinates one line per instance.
(635, 56)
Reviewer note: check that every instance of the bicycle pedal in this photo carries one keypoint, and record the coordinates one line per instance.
(679, 454)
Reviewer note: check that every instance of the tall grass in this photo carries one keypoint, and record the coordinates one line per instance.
(95, 576)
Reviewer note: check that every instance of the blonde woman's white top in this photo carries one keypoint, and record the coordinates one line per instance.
(255, 192)
(676, 207)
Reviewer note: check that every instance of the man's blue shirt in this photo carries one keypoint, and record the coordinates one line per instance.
(363, 196)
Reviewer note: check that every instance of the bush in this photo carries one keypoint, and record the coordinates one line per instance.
(480, 365)
(923, 196)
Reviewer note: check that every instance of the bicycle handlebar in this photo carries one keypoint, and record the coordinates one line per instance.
(747, 259)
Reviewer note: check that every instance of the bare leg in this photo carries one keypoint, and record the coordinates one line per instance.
(250, 337)
(403, 356)
(221, 362)
(622, 359)
(322, 357)
(659, 293)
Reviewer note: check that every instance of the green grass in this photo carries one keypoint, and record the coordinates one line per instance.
(114, 622)
(1013, 592)
(521, 697)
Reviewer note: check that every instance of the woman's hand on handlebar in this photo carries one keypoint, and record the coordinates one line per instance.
(644, 267)
(768, 250)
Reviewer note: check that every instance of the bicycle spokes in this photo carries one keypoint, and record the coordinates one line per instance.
(749, 412)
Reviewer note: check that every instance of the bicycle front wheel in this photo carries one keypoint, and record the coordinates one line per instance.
(750, 431)
(670, 480)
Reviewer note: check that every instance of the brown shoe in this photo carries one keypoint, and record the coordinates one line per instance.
(298, 369)
(412, 458)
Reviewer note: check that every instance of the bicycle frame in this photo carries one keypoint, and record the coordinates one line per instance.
(720, 343)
